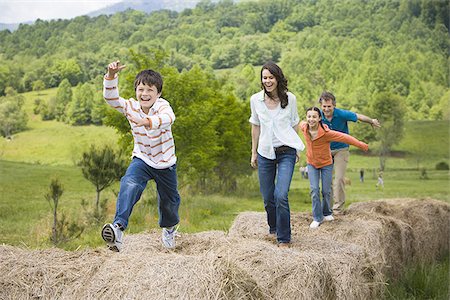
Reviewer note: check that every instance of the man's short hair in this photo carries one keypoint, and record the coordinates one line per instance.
(327, 96)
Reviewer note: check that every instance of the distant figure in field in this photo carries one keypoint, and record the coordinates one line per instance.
(380, 181)
(275, 144)
(304, 172)
(361, 175)
(150, 118)
(320, 163)
(336, 119)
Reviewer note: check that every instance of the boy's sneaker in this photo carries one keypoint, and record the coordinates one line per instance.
(168, 237)
(112, 236)
(328, 218)
(314, 224)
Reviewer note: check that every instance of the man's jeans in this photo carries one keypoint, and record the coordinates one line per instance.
(274, 180)
(320, 209)
(133, 184)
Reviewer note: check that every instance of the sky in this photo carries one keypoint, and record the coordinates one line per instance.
(16, 11)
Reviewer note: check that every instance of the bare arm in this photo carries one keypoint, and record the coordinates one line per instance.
(366, 119)
(255, 138)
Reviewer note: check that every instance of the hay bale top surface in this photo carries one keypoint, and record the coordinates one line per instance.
(347, 258)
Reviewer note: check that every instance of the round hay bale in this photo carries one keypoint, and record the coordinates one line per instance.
(57, 274)
(45, 274)
(281, 273)
(418, 229)
(249, 225)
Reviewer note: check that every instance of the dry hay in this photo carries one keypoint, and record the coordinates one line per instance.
(345, 259)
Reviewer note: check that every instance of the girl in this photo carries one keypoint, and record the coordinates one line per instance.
(275, 143)
(320, 163)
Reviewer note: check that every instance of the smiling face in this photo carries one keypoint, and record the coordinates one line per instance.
(313, 118)
(269, 81)
(146, 95)
(327, 108)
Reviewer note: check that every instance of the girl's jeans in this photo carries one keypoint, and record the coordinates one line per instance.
(320, 209)
(274, 180)
(133, 184)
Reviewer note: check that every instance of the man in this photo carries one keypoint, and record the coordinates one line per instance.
(337, 119)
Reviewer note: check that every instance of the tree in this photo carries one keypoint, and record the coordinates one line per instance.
(12, 117)
(79, 109)
(38, 85)
(390, 110)
(62, 230)
(53, 196)
(63, 97)
(99, 108)
(101, 167)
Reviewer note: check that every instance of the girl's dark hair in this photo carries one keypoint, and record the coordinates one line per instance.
(316, 109)
(149, 77)
(282, 88)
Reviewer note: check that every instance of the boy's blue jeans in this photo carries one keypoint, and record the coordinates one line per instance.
(133, 184)
(320, 209)
(274, 181)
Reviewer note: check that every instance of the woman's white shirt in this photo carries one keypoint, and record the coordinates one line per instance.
(275, 126)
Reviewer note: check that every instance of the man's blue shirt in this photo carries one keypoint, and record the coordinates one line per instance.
(339, 123)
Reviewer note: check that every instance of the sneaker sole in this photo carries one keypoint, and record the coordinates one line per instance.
(108, 235)
(113, 248)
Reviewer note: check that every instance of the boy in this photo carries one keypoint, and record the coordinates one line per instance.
(153, 156)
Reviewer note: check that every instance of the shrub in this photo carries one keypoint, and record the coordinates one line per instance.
(442, 166)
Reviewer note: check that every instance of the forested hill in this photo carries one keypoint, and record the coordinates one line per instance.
(356, 48)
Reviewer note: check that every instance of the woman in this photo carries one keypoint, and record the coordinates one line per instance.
(320, 163)
(275, 143)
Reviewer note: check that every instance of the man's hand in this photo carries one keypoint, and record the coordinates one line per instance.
(114, 68)
(375, 123)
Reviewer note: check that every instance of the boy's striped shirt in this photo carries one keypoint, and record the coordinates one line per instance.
(153, 144)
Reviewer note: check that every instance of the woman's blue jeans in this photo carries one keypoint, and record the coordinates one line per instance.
(274, 181)
(320, 208)
(133, 184)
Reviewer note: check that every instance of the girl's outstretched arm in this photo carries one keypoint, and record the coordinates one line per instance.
(337, 136)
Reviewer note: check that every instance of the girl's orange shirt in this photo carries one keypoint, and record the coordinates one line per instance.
(318, 151)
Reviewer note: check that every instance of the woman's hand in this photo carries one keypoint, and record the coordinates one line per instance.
(254, 161)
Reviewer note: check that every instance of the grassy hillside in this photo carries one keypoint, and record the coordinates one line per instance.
(52, 142)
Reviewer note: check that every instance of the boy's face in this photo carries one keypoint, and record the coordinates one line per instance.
(146, 95)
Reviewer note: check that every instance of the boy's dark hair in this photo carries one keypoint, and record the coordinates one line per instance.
(149, 77)
(282, 88)
(316, 109)
(327, 96)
